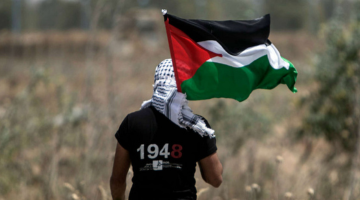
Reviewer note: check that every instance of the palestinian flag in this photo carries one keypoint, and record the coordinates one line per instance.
(225, 58)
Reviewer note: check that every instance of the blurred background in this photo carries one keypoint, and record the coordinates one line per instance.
(71, 70)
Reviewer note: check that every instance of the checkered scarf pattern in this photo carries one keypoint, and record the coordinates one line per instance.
(173, 104)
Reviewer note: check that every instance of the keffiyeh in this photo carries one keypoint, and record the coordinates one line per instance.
(173, 104)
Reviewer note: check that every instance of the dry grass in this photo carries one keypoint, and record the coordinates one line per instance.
(59, 112)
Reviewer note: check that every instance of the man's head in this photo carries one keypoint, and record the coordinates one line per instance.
(165, 71)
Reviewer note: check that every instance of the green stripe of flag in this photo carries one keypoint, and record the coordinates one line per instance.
(220, 80)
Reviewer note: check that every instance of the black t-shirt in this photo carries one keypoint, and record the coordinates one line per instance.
(162, 154)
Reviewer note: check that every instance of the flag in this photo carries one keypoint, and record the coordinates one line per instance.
(230, 59)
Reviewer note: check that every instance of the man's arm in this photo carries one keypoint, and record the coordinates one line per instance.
(211, 170)
(120, 170)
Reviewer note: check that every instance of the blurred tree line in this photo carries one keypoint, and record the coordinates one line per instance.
(334, 108)
(77, 14)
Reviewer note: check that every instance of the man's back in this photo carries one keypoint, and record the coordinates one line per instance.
(162, 154)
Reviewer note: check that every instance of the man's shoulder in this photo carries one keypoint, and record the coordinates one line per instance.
(140, 114)
(206, 122)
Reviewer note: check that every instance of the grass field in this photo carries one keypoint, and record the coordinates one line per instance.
(64, 94)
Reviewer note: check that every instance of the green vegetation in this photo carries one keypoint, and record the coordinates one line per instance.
(334, 108)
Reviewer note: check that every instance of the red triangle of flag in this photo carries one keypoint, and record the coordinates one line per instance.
(187, 56)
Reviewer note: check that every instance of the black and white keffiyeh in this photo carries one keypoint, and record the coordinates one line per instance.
(173, 104)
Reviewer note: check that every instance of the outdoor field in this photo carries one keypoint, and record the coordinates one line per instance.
(71, 70)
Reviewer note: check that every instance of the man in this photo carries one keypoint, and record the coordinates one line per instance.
(163, 141)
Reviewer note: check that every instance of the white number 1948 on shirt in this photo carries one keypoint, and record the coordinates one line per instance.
(153, 151)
